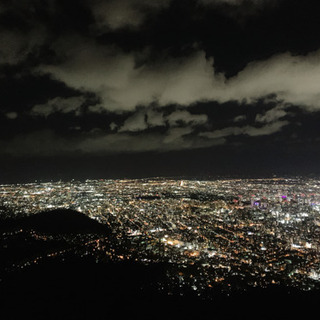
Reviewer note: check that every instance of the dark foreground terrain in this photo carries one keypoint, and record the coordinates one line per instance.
(69, 282)
(85, 290)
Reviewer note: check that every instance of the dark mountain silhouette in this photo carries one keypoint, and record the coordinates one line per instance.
(60, 221)
(57, 232)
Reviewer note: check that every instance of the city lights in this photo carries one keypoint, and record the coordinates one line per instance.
(260, 231)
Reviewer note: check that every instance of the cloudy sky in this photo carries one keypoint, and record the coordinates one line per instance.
(130, 88)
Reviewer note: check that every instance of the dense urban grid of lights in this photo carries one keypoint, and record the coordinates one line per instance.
(259, 231)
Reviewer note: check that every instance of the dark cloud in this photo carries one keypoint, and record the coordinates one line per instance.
(137, 122)
(144, 119)
(183, 116)
(272, 115)
(12, 115)
(44, 142)
(112, 77)
(252, 131)
(241, 117)
(59, 105)
(118, 14)
(49, 143)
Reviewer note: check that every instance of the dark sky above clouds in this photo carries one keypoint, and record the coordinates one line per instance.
(132, 88)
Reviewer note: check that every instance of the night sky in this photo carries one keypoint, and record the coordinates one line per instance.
(141, 88)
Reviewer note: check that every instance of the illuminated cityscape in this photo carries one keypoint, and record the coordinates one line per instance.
(227, 234)
(159, 159)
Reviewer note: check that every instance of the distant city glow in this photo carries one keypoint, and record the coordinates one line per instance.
(244, 228)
